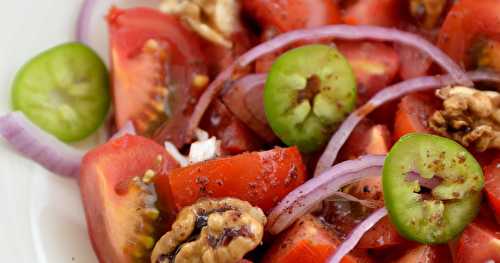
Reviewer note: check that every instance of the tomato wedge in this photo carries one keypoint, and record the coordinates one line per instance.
(235, 136)
(286, 15)
(374, 64)
(307, 241)
(366, 138)
(413, 112)
(372, 12)
(382, 235)
(479, 242)
(492, 186)
(261, 178)
(114, 205)
(426, 254)
(469, 25)
(154, 59)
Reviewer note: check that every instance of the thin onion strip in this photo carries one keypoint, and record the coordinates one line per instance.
(307, 196)
(36, 144)
(356, 235)
(390, 93)
(320, 33)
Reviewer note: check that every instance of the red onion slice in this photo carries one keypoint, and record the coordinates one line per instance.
(305, 197)
(334, 31)
(92, 29)
(245, 100)
(349, 32)
(36, 144)
(390, 93)
(356, 235)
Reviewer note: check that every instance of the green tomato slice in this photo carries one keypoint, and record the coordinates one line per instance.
(309, 91)
(432, 187)
(64, 91)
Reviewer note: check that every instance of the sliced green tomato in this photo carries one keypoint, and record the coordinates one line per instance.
(309, 92)
(448, 196)
(64, 90)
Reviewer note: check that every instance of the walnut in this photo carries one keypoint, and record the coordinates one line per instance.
(214, 20)
(212, 230)
(470, 116)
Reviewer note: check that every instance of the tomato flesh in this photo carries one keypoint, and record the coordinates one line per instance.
(479, 242)
(362, 12)
(383, 235)
(286, 15)
(307, 241)
(426, 254)
(143, 42)
(261, 178)
(374, 64)
(366, 138)
(234, 135)
(492, 186)
(412, 114)
(112, 208)
(468, 22)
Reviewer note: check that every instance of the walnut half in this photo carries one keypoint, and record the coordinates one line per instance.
(210, 231)
(214, 20)
(470, 116)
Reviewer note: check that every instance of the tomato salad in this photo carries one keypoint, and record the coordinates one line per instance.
(277, 131)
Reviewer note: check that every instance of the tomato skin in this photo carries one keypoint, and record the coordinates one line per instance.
(479, 242)
(235, 136)
(426, 254)
(413, 112)
(141, 77)
(287, 15)
(467, 21)
(362, 13)
(382, 235)
(413, 62)
(261, 178)
(492, 186)
(374, 64)
(103, 170)
(367, 138)
(307, 241)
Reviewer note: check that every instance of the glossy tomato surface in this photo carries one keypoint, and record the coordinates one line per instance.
(113, 205)
(261, 178)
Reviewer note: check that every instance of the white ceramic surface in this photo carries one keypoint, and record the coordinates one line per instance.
(42, 218)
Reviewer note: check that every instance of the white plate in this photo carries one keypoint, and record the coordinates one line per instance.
(42, 218)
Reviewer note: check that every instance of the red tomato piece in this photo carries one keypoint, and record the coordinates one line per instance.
(366, 138)
(426, 254)
(479, 242)
(144, 42)
(492, 186)
(286, 15)
(112, 207)
(261, 178)
(372, 12)
(414, 63)
(468, 23)
(413, 112)
(235, 136)
(382, 235)
(375, 66)
(307, 241)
